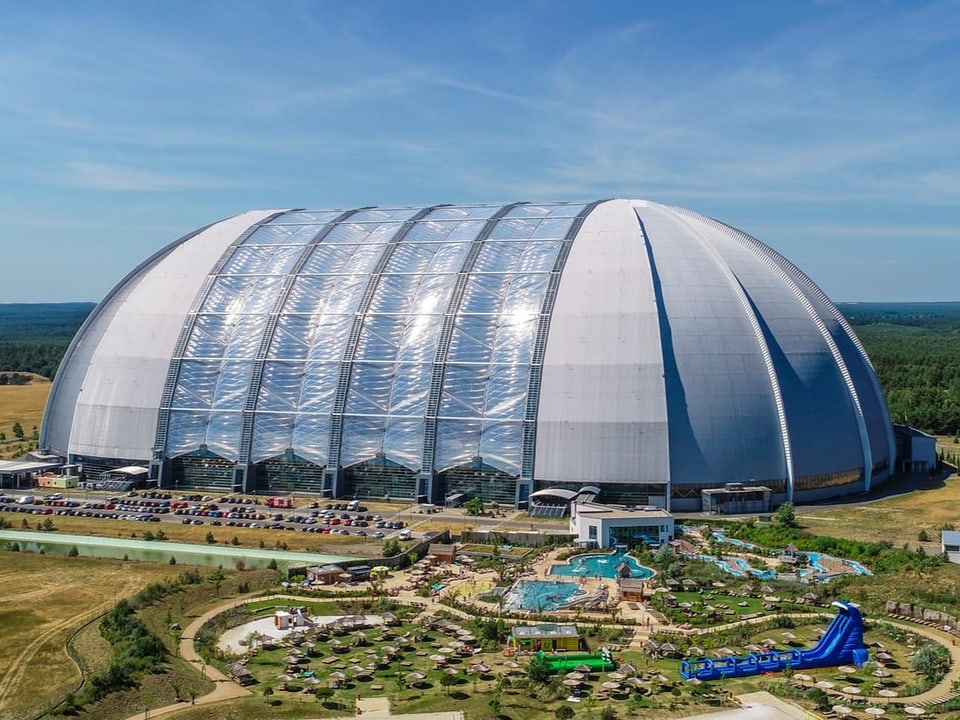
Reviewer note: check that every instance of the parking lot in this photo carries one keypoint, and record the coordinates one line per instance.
(279, 513)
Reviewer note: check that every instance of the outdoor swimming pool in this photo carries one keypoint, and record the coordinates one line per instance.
(603, 565)
(537, 595)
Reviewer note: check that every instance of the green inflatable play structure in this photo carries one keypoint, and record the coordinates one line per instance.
(597, 662)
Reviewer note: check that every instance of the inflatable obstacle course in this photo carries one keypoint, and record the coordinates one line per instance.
(841, 644)
(597, 662)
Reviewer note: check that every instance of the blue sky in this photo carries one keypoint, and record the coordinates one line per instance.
(829, 130)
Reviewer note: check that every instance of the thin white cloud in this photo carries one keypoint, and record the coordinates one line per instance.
(105, 176)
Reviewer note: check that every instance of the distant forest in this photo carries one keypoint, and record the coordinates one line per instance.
(34, 337)
(915, 348)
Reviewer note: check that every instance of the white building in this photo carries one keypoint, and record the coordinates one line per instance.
(916, 450)
(950, 545)
(606, 526)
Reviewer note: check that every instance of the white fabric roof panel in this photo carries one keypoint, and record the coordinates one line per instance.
(602, 415)
(113, 383)
(723, 419)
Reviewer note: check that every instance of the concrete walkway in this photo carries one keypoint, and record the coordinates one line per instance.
(942, 689)
(757, 706)
(378, 708)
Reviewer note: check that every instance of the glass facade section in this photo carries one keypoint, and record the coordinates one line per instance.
(288, 473)
(380, 478)
(202, 469)
(479, 480)
(307, 295)
(826, 480)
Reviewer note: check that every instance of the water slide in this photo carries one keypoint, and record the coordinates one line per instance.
(598, 662)
(597, 600)
(841, 644)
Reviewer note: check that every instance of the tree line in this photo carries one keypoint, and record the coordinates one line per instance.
(34, 337)
(915, 349)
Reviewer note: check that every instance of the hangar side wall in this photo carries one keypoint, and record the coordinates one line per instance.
(126, 353)
(602, 414)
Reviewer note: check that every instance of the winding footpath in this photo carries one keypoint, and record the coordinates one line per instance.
(225, 688)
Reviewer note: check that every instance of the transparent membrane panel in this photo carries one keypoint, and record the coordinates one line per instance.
(381, 336)
(272, 435)
(280, 386)
(317, 387)
(506, 391)
(458, 442)
(274, 234)
(411, 384)
(245, 334)
(232, 384)
(501, 442)
(484, 293)
(229, 294)
(326, 259)
(197, 384)
(370, 386)
(550, 210)
(223, 433)
(514, 228)
(473, 339)
(389, 216)
(306, 217)
(362, 439)
(261, 260)
(311, 437)
(292, 337)
(403, 441)
(464, 390)
(464, 212)
(188, 431)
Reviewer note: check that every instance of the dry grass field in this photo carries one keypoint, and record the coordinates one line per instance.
(44, 600)
(898, 519)
(23, 404)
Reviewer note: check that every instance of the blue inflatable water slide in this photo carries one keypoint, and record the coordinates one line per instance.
(841, 644)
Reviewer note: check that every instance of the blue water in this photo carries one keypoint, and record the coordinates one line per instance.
(604, 565)
(858, 567)
(816, 572)
(815, 563)
(537, 595)
(814, 559)
(739, 567)
(720, 537)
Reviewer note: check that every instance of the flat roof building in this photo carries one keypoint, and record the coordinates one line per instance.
(597, 525)
(546, 637)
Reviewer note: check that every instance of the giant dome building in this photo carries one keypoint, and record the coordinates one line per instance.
(486, 350)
